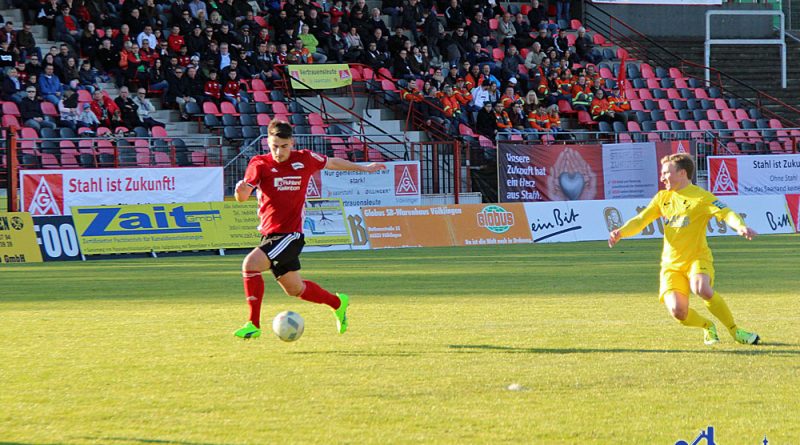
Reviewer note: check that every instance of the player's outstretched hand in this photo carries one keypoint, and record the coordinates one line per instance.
(613, 237)
(375, 166)
(747, 232)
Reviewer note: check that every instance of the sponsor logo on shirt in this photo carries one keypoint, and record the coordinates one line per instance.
(298, 165)
(288, 184)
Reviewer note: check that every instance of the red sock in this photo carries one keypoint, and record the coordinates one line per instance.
(254, 292)
(316, 294)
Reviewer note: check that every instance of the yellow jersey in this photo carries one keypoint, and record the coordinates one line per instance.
(686, 213)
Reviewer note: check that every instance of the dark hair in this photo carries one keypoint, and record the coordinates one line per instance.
(682, 161)
(279, 128)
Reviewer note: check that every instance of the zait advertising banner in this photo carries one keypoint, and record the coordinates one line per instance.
(17, 239)
(399, 184)
(448, 225)
(54, 192)
(533, 173)
(320, 77)
(592, 220)
(193, 226)
(754, 175)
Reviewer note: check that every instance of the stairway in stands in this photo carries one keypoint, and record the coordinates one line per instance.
(737, 61)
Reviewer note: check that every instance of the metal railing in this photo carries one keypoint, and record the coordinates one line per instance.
(643, 48)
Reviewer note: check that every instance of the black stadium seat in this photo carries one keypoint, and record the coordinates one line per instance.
(229, 120)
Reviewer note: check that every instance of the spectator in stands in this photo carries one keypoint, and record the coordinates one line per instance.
(374, 58)
(30, 110)
(47, 17)
(67, 27)
(70, 75)
(537, 15)
(336, 45)
(26, 42)
(519, 120)
(68, 110)
(134, 65)
(8, 35)
(128, 109)
(454, 16)
(13, 88)
(486, 73)
(147, 34)
(452, 75)
(506, 31)
(562, 11)
(478, 56)
(8, 59)
(523, 36)
(87, 118)
(213, 88)
(420, 63)
(480, 95)
(50, 85)
(539, 120)
(582, 94)
(87, 77)
(534, 58)
(531, 102)
(394, 9)
(233, 89)
(195, 6)
(480, 27)
(401, 68)
(510, 96)
(89, 41)
(178, 92)
(412, 18)
(355, 48)
(311, 44)
(619, 104)
(510, 65)
(601, 109)
(502, 120)
(145, 109)
(560, 43)
(544, 41)
(486, 122)
(583, 47)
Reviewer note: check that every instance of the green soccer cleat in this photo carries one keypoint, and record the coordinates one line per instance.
(746, 338)
(710, 336)
(341, 313)
(249, 330)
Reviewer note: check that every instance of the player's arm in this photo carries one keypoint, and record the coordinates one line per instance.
(721, 212)
(637, 223)
(243, 191)
(344, 164)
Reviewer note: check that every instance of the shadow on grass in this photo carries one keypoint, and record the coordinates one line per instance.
(357, 354)
(753, 350)
(149, 441)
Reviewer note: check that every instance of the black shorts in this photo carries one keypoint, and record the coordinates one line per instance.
(283, 251)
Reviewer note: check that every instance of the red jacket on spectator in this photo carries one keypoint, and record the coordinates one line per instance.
(449, 104)
(472, 82)
(213, 89)
(111, 111)
(184, 60)
(539, 121)
(600, 107)
(303, 55)
(411, 95)
(175, 43)
(508, 101)
(619, 104)
(463, 96)
(232, 89)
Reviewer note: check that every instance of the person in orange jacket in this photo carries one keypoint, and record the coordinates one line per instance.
(503, 121)
(601, 109)
(539, 120)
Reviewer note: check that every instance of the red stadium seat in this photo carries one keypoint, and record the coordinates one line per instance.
(10, 109)
(211, 108)
(675, 73)
(226, 107)
(647, 71)
(669, 115)
(713, 115)
(263, 119)
(279, 108)
(565, 108)
(634, 126)
(673, 93)
(720, 104)
(741, 114)
(585, 119)
(48, 109)
(29, 133)
(84, 96)
(700, 93)
(574, 24)
(158, 132)
(258, 85)
(50, 161)
(315, 119)
(498, 54)
(86, 146)
(775, 123)
(680, 83)
(664, 104)
(636, 105)
(260, 96)
(10, 121)
(493, 24)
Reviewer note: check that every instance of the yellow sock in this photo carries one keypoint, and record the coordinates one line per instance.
(696, 320)
(717, 306)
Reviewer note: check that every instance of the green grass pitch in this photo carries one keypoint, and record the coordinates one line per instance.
(140, 351)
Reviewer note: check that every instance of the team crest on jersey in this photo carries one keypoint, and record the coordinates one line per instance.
(44, 194)
(298, 165)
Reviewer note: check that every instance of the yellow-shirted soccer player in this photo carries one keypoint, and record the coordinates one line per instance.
(686, 261)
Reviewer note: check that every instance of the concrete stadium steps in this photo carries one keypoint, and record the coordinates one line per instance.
(754, 65)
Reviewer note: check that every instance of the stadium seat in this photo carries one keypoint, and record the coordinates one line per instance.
(675, 73)
(279, 108)
(685, 115)
(276, 96)
(248, 120)
(498, 53)
(49, 109)
(676, 126)
(245, 108)
(712, 115)
(295, 107)
(670, 115)
(67, 133)
(229, 120)
(232, 133)
(211, 108)
(585, 119)
(211, 122)
(257, 85)
(193, 109)
(299, 119)
(141, 132)
(226, 108)
(604, 127)
(10, 121)
(159, 131)
(657, 115)
(11, 109)
(86, 160)
(260, 97)
(315, 119)
(263, 119)
(706, 104)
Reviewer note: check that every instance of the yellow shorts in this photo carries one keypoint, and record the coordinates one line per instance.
(676, 279)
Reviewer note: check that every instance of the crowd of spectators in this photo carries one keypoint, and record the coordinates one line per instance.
(197, 51)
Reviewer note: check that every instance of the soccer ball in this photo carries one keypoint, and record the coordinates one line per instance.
(288, 325)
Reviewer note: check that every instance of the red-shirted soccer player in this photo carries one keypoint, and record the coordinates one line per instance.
(281, 178)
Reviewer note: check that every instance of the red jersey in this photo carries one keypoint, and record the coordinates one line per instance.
(213, 89)
(282, 189)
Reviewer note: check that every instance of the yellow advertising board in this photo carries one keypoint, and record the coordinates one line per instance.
(17, 239)
(193, 226)
(320, 77)
(447, 225)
